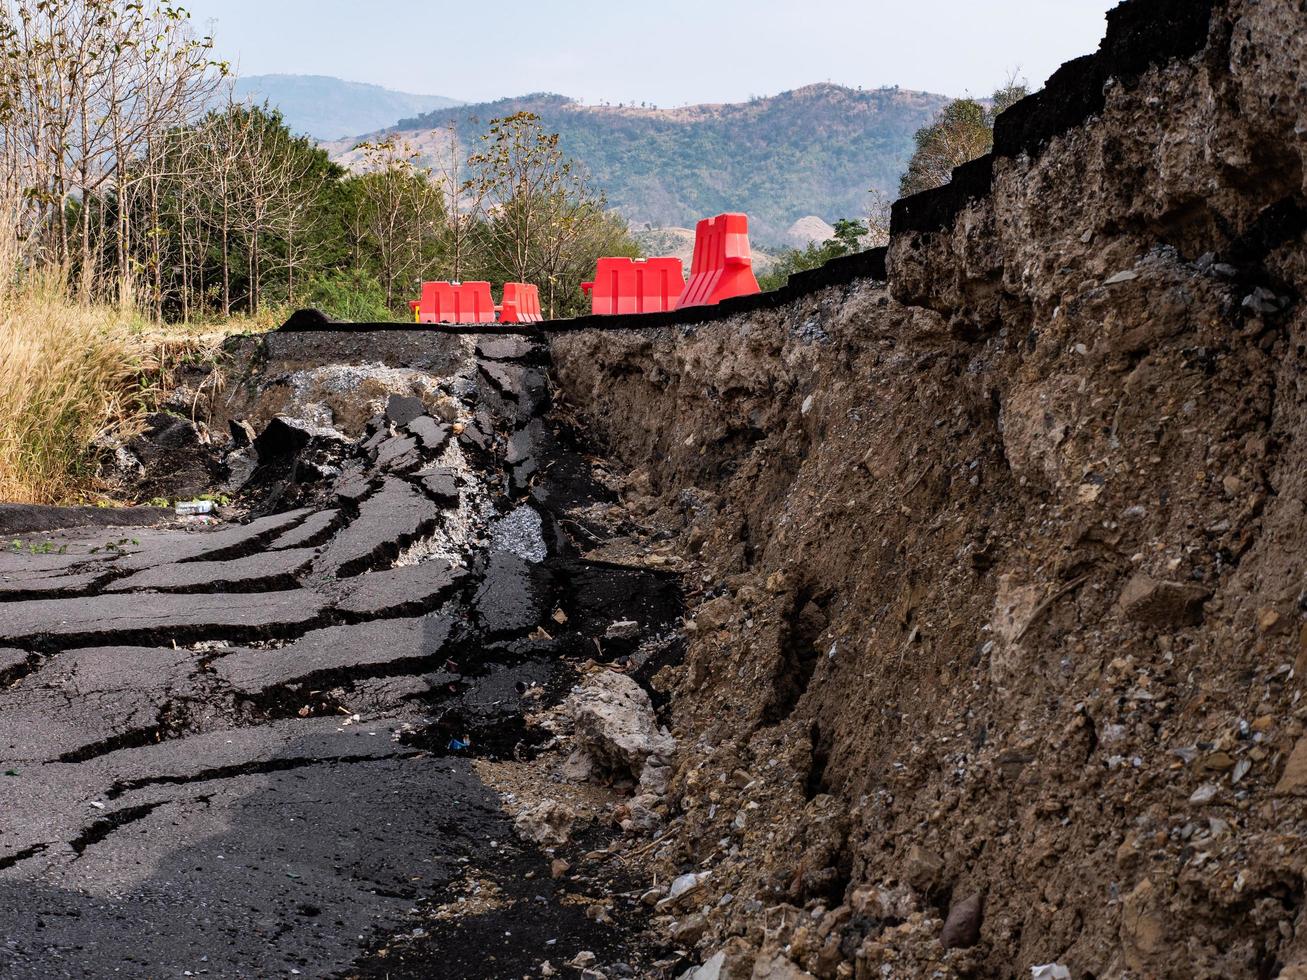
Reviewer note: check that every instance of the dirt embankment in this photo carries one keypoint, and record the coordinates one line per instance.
(1001, 610)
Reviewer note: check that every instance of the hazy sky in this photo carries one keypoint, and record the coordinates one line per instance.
(667, 52)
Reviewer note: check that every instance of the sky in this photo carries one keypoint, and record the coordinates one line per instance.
(670, 52)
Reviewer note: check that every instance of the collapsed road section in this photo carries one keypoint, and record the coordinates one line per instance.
(322, 736)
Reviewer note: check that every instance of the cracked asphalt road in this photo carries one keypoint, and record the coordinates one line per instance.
(226, 748)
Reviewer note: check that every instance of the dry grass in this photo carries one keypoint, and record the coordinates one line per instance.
(70, 374)
(67, 374)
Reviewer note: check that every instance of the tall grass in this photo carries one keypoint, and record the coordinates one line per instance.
(73, 371)
(68, 373)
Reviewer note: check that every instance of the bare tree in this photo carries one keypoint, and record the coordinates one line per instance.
(400, 213)
(537, 206)
(462, 200)
(92, 82)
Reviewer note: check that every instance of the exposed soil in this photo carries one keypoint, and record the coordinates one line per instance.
(998, 632)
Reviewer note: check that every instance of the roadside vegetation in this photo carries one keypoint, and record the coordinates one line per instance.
(146, 213)
(963, 131)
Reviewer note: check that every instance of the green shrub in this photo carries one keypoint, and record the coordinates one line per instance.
(352, 296)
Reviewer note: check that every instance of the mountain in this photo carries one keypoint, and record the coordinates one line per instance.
(330, 108)
(814, 152)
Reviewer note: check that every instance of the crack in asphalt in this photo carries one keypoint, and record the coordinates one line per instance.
(361, 820)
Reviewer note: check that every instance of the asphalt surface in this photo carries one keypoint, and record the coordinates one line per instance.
(242, 748)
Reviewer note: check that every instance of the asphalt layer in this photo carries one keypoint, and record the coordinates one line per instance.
(244, 748)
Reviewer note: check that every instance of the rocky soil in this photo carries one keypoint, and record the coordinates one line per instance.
(997, 625)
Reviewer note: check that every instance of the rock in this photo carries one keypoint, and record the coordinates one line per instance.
(683, 887)
(714, 614)
(548, 822)
(1142, 930)
(1127, 275)
(1262, 300)
(690, 929)
(735, 961)
(1050, 971)
(615, 724)
(403, 409)
(626, 629)
(1294, 778)
(578, 767)
(641, 815)
(653, 780)
(558, 867)
(583, 959)
(774, 966)
(1204, 794)
(240, 467)
(1269, 620)
(284, 438)
(1156, 603)
(962, 927)
(884, 903)
(242, 433)
(921, 868)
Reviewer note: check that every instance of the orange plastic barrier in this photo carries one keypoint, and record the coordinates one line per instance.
(723, 264)
(521, 303)
(454, 302)
(624, 285)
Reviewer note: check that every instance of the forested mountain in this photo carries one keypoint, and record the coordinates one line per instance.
(817, 151)
(331, 108)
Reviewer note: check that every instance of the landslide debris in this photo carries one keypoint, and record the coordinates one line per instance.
(996, 651)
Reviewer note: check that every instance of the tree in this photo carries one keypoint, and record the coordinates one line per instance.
(963, 131)
(399, 216)
(90, 84)
(462, 205)
(541, 220)
(849, 237)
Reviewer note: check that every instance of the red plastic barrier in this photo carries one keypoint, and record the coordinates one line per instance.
(624, 285)
(454, 302)
(521, 303)
(723, 264)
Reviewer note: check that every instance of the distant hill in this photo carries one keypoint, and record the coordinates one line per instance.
(812, 152)
(330, 108)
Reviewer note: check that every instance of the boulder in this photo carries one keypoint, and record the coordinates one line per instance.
(1158, 603)
(962, 927)
(615, 725)
(548, 822)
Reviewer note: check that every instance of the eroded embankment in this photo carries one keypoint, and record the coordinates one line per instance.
(1001, 608)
